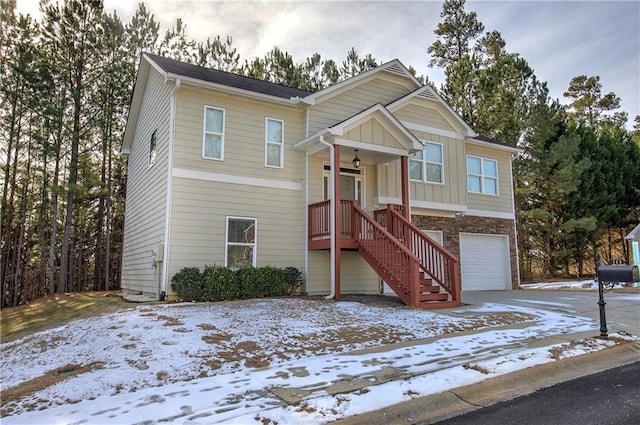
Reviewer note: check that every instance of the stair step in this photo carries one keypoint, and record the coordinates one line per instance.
(434, 297)
(429, 288)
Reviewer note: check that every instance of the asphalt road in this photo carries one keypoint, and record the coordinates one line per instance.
(611, 397)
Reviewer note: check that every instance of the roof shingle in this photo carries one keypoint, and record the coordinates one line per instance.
(226, 78)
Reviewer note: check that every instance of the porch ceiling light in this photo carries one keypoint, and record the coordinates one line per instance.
(356, 160)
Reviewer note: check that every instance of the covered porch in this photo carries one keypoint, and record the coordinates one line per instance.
(382, 235)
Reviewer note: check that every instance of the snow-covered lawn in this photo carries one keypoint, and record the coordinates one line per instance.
(291, 360)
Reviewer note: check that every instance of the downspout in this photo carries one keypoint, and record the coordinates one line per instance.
(165, 253)
(515, 221)
(306, 218)
(332, 220)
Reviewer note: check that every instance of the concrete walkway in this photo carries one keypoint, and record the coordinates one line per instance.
(622, 314)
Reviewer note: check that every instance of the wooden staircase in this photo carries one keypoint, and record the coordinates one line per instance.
(421, 272)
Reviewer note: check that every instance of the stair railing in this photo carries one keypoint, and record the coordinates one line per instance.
(436, 261)
(393, 261)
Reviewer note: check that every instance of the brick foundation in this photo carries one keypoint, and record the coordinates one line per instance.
(452, 227)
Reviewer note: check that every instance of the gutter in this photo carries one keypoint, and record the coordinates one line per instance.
(332, 219)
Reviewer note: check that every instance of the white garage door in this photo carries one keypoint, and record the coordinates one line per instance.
(484, 262)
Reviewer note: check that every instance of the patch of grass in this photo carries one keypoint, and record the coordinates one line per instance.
(57, 310)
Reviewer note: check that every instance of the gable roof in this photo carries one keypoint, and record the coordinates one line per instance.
(496, 143)
(392, 67)
(378, 112)
(173, 67)
(429, 93)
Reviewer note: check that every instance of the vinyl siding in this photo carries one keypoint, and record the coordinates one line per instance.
(356, 99)
(244, 137)
(198, 223)
(453, 191)
(145, 212)
(429, 115)
(502, 203)
(356, 277)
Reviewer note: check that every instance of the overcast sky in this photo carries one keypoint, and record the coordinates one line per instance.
(559, 39)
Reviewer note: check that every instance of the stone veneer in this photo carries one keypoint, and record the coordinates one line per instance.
(452, 227)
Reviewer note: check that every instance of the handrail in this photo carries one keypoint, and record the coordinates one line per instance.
(440, 264)
(394, 261)
(320, 219)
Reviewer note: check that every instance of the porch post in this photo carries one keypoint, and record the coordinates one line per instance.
(338, 216)
(404, 166)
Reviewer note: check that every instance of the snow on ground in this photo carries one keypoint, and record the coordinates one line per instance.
(267, 361)
(589, 284)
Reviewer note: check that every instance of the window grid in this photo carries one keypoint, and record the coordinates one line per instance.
(482, 175)
(213, 133)
(427, 165)
(274, 143)
(240, 242)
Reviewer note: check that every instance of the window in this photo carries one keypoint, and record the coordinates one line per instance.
(152, 148)
(427, 164)
(213, 140)
(240, 247)
(482, 175)
(274, 145)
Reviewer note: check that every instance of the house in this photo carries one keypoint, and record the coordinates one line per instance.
(373, 184)
(634, 239)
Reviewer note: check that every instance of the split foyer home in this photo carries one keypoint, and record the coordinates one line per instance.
(371, 185)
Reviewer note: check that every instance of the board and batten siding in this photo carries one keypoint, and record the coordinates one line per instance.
(145, 212)
(503, 203)
(244, 136)
(374, 133)
(198, 223)
(346, 104)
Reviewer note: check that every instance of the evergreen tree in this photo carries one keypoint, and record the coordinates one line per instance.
(589, 104)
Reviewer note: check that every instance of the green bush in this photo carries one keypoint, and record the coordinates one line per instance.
(187, 284)
(292, 279)
(220, 284)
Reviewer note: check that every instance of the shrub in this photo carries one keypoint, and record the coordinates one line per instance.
(220, 284)
(187, 284)
(292, 279)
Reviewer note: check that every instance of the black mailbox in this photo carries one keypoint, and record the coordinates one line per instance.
(618, 273)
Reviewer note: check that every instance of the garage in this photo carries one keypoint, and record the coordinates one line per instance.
(484, 262)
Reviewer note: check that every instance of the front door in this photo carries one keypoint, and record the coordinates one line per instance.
(351, 184)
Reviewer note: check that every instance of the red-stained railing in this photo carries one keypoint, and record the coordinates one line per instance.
(398, 266)
(320, 220)
(441, 266)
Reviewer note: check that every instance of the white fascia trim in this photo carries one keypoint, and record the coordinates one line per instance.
(370, 147)
(453, 208)
(482, 143)
(432, 130)
(491, 214)
(397, 127)
(228, 178)
(313, 98)
(296, 101)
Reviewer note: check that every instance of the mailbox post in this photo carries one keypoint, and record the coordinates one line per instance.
(603, 317)
(611, 273)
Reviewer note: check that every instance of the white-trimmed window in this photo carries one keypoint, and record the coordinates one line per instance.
(274, 143)
(482, 175)
(213, 138)
(428, 164)
(240, 245)
(153, 147)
